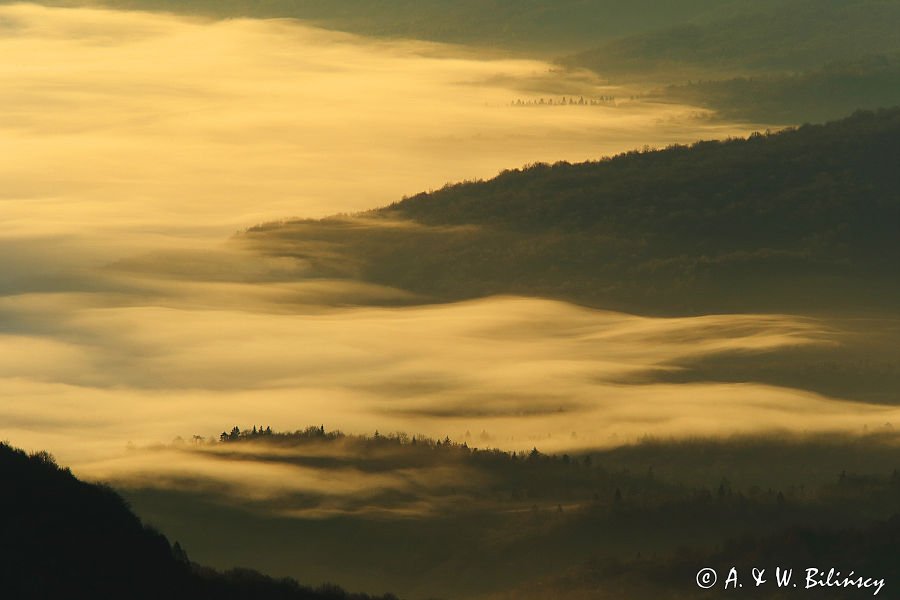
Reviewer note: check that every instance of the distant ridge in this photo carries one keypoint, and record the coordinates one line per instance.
(801, 219)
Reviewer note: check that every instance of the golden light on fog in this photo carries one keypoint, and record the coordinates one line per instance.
(146, 123)
(134, 143)
(526, 372)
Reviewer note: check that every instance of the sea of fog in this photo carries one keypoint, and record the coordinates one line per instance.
(131, 135)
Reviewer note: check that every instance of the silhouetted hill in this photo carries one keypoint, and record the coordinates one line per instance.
(804, 219)
(63, 538)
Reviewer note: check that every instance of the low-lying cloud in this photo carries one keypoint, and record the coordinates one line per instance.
(528, 372)
(118, 121)
(134, 143)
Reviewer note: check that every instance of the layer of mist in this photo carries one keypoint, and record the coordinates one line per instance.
(136, 142)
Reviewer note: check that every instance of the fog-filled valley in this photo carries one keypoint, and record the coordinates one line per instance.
(773, 61)
(447, 299)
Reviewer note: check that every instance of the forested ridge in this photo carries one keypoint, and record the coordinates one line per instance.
(636, 521)
(803, 218)
(64, 538)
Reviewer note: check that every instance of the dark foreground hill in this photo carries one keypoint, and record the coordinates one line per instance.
(63, 538)
(804, 219)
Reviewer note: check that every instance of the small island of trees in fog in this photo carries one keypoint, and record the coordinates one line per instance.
(566, 101)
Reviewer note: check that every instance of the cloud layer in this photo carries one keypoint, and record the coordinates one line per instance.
(150, 123)
(84, 378)
(134, 143)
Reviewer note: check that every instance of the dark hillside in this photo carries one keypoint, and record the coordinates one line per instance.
(63, 538)
(801, 219)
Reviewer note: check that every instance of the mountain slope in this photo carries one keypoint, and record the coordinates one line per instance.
(63, 538)
(802, 219)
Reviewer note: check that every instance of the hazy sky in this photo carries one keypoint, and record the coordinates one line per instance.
(132, 139)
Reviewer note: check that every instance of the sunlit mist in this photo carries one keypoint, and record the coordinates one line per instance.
(135, 140)
(152, 123)
(88, 379)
